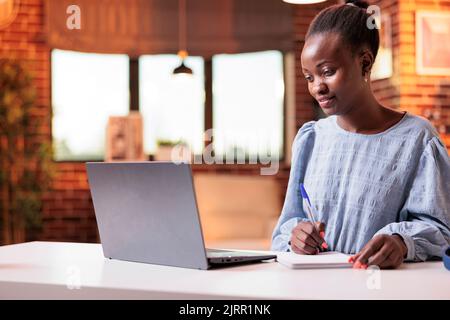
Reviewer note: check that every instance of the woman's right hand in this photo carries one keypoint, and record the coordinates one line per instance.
(305, 239)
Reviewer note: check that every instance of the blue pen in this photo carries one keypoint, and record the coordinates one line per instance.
(307, 204)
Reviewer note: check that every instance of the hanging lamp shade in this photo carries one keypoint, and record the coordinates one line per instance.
(182, 69)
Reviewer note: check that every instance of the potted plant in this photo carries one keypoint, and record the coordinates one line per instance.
(25, 161)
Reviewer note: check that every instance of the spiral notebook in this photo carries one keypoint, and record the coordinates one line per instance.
(329, 259)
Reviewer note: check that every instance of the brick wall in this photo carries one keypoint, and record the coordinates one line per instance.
(23, 39)
(68, 213)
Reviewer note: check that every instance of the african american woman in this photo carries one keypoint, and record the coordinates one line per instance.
(378, 179)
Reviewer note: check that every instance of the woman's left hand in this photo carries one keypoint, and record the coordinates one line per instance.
(384, 251)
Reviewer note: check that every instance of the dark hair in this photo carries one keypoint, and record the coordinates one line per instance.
(350, 22)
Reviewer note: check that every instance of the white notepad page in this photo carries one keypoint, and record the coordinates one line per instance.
(329, 259)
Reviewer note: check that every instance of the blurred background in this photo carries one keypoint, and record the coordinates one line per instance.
(94, 80)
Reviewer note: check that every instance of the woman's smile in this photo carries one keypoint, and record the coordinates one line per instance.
(326, 102)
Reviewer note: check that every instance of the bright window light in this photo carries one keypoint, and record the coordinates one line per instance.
(172, 106)
(87, 88)
(248, 98)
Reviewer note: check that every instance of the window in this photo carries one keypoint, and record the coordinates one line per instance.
(86, 89)
(247, 101)
(172, 107)
(248, 104)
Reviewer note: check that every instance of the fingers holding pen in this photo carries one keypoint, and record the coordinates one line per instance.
(307, 238)
(321, 228)
(314, 233)
(300, 247)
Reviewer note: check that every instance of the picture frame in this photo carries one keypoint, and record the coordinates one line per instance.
(124, 138)
(432, 43)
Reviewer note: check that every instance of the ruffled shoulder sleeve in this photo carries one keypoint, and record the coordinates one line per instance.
(303, 139)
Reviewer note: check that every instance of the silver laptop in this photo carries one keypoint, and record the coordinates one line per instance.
(147, 212)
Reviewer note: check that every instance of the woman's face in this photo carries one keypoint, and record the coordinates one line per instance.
(335, 78)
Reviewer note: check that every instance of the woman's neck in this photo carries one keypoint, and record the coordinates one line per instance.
(369, 117)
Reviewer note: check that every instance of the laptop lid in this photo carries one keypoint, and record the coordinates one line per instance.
(147, 212)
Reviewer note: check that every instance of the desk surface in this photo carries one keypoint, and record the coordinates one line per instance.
(54, 270)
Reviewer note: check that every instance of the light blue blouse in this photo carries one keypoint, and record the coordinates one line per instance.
(396, 181)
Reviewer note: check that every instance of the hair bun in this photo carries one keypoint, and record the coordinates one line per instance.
(358, 3)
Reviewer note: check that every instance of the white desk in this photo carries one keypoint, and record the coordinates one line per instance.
(47, 270)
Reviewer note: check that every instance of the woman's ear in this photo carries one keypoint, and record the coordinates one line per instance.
(367, 60)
